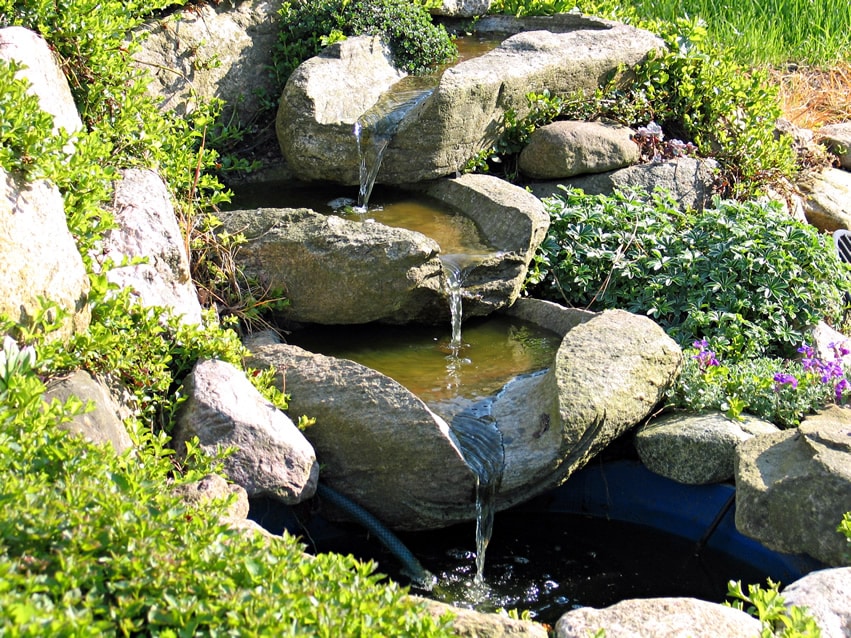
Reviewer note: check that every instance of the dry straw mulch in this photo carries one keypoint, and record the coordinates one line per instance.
(813, 97)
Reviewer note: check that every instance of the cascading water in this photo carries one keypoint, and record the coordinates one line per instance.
(454, 279)
(368, 166)
(375, 128)
(480, 442)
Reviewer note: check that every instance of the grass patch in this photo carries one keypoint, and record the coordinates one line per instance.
(766, 32)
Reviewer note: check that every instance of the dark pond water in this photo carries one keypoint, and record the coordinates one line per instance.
(550, 563)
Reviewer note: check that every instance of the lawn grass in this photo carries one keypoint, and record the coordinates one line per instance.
(767, 32)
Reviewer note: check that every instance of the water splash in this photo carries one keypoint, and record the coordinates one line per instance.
(480, 442)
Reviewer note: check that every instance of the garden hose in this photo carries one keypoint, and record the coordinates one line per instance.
(412, 568)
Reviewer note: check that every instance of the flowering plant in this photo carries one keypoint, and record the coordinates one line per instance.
(655, 148)
(778, 390)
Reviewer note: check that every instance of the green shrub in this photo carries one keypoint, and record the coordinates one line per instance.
(768, 606)
(745, 276)
(698, 93)
(416, 42)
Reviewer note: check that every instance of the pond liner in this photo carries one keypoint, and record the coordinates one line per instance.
(627, 491)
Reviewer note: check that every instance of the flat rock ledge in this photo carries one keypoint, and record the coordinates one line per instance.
(695, 449)
(337, 271)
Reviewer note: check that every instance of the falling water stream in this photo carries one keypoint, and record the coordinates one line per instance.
(375, 129)
(474, 429)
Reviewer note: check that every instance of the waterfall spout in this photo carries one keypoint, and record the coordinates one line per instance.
(480, 442)
(374, 130)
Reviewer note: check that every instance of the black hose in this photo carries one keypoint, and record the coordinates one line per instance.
(419, 576)
(701, 543)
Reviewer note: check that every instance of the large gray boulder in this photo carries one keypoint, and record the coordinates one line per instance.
(825, 594)
(323, 100)
(695, 449)
(213, 50)
(223, 409)
(463, 114)
(44, 74)
(568, 148)
(659, 618)
(827, 198)
(378, 444)
(335, 271)
(147, 228)
(689, 180)
(38, 256)
(793, 487)
(610, 372)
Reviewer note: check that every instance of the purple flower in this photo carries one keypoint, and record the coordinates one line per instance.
(806, 350)
(705, 358)
(840, 387)
(840, 349)
(782, 378)
(831, 370)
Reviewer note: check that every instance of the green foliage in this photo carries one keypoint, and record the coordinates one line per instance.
(417, 44)
(845, 526)
(727, 111)
(781, 391)
(26, 137)
(745, 276)
(845, 529)
(91, 545)
(147, 350)
(768, 606)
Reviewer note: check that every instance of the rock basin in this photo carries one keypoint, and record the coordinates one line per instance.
(386, 449)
